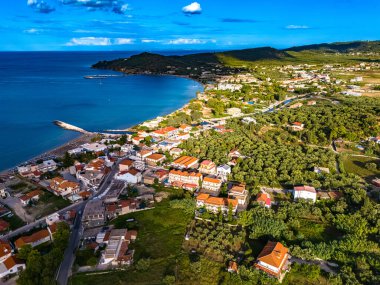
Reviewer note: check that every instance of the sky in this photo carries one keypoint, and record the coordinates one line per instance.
(148, 25)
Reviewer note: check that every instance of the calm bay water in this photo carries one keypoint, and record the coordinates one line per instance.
(37, 88)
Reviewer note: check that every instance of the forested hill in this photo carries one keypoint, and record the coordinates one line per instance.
(344, 47)
(221, 63)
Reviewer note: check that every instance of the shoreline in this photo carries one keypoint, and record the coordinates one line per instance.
(84, 138)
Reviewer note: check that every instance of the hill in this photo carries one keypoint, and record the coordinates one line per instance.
(205, 66)
(344, 47)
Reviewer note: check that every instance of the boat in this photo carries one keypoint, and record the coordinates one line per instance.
(100, 76)
(95, 77)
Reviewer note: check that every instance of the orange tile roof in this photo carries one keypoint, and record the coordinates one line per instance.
(185, 173)
(185, 160)
(164, 131)
(11, 262)
(126, 162)
(32, 238)
(5, 248)
(262, 197)
(203, 197)
(206, 198)
(212, 180)
(30, 195)
(155, 156)
(274, 254)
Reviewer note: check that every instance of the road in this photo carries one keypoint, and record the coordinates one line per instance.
(321, 263)
(69, 255)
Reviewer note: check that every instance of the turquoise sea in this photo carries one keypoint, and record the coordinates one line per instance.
(37, 88)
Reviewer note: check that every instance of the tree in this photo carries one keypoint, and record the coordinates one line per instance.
(143, 264)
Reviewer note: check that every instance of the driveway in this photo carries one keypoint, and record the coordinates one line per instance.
(15, 204)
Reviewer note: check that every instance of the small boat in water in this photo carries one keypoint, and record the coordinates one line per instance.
(100, 76)
(95, 77)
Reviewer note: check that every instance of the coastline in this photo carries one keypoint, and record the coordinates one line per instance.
(86, 137)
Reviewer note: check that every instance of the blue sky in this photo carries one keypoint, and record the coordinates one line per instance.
(29, 25)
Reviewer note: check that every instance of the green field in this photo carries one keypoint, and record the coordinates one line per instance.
(160, 235)
(357, 165)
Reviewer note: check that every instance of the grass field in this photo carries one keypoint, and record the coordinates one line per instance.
(303, 57)
(357, 165)
(160, 235)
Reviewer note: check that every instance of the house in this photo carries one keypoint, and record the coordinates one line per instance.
(234, 111)
(185, 162)
(94, 147)
(321, 170)
(241, 194)
(296, 105)
(264, 200)
(137, 140)
(155, 159)
(131, 176)
(143, 154)
(297, 126)
(234, 154)
(53, 218)
(126, 206)
(30, 197)
(376, 182)
(3, 193)
(207, 167)
(223, 171)
(216, 204)
(161, 174)
(10, 266)
(232, 267)
(211, 186)
(248, 120)
(117, 252)
(94, 214)
(165, 132)
(178, 178)
(311, 103)
(305, 192)
(62, 187)
(47, 165)
(5, 250)
(175, 152)
(125, 164)
(185, 128)
(273, 259)
(35, 239)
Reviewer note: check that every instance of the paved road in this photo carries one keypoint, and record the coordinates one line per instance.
(321, 263)
(69, 255)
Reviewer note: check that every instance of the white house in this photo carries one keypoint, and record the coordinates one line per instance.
(223, 171)
(94, 147)
(305, 192)
(11, 266)
(131, 176)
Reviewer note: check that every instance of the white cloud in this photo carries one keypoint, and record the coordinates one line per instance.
(89, 41)
(32, 31)
(193, 8)
(147, 41)
(32, 2)
(183, 41)
(99, 41)
(123, 41)
(297, 27)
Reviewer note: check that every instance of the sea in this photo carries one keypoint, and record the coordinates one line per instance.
(37, 88)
